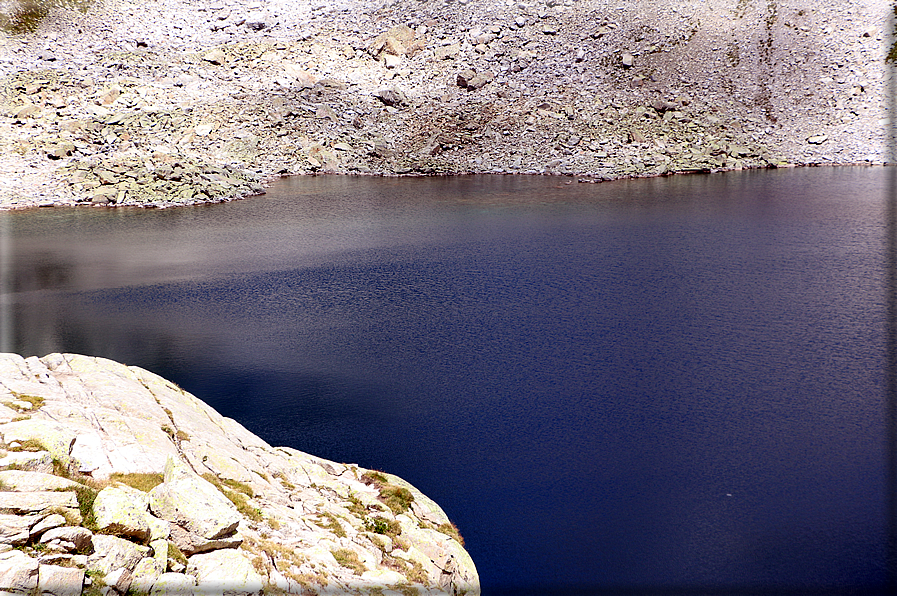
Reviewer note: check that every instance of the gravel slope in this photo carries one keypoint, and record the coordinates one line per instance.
(173, 102)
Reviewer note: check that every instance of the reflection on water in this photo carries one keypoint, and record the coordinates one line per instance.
(671, 383)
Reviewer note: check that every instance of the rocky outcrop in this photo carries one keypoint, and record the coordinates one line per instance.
(150, 491)
(169, 102)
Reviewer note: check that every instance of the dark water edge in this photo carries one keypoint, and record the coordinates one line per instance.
(669, 382)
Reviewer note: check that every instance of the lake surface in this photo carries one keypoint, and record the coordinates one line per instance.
(671, 385)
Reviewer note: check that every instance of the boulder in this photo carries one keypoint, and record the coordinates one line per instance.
(159, 528)
(80, 537)
(35, 461)
(174, 584)
(224, 571)
(193, 503)
(60, 581)
(119, 580)
(191, 542)
(16, 529)
(18, 572)
(122, 512)
(55, 438)
(145, 574)
(111, 552)
(48, 523)
(24, 481)
(26, 503)
(160, 552)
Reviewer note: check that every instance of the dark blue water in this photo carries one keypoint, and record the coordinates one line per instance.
(652, 386)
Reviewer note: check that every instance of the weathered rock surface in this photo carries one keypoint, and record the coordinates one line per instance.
(18, 572)
(221, 511)
(193, 504)
(122, 512)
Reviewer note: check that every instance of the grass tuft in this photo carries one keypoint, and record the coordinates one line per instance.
(451, 530)
(397, 498)
(142, 482)
(349, 559)
(332, 524)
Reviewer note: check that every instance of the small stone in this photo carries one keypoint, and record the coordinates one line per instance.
(627, 60)
(817, 139)
(216, 56)
(391, 97)
(391, 60)
(464, 77)
(203, 130)
(27, 111)
(48, 523)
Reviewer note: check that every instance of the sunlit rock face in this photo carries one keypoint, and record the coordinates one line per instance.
(131, 479)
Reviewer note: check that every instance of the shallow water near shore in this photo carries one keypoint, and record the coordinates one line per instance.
(661, 385)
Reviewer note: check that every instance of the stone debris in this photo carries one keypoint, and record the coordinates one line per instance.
(221, 512)
(163, 103)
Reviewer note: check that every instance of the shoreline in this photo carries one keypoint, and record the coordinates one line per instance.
(175, 103)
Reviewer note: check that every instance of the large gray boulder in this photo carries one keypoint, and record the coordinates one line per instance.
(224, 571)
(193, 504)
(16, 529)
(55, 580)
(18, 572)
(25, 481)
(82, 538)
(111, 552)
(122, 512)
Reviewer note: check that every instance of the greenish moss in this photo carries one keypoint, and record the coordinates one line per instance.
(397, 498)
(239, 487)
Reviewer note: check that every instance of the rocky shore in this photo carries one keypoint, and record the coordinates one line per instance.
(115, 481)
(129, 102)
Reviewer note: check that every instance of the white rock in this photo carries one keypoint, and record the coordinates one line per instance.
(120, 579)
(18, 572)
(111, 552)
(193, 503)
(174, 584)
(16, 529)
(225, 571)
(122, 512)
(80, 537)
(24, 503)
(24, 481)
(48, 523)
(145, 574)
(60, 581)
(35, 461)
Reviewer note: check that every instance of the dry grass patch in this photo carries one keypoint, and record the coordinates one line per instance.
(349, 559)
(142, 482)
